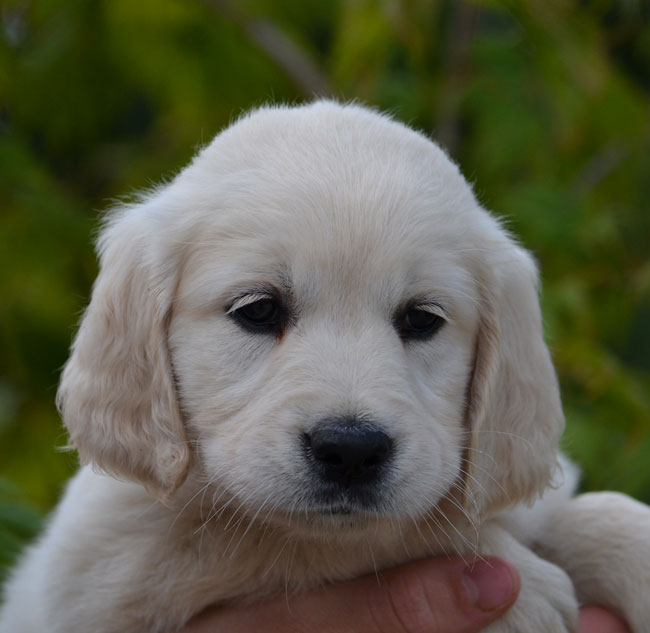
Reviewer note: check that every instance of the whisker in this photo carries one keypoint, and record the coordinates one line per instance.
(287, 540)
(525, 440)
(250, 525)
(490, 476)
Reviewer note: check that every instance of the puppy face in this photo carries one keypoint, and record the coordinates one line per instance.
(315, 311)
(320, 307)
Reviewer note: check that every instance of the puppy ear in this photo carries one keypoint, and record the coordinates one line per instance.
(117, 394)
(515, 415)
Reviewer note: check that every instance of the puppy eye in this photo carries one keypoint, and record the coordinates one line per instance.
(420, 323)
(258, 315)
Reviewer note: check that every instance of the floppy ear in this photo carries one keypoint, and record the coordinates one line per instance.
(117, 393)
(515, 415)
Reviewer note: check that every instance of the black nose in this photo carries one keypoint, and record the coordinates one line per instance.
(349, 452)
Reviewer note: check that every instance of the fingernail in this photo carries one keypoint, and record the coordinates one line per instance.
(491, 584)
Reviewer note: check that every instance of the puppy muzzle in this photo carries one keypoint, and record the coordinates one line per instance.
(348, 460)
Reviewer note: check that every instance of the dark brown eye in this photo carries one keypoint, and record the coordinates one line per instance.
(418, 323)
(262, 316)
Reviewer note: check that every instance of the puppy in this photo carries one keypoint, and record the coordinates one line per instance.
(311, 355)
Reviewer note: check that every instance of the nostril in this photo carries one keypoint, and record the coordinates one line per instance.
(332, 459)
(372, 461)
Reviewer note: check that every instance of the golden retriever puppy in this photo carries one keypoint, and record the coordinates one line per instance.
(311, 355)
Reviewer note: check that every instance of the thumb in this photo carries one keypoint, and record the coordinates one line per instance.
(428, 596)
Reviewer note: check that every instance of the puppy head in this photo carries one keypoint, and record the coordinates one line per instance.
(345, 331)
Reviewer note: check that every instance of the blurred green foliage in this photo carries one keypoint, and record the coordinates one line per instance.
(544, 104)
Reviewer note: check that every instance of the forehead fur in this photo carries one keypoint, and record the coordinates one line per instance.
(355, 181)
(342, 158)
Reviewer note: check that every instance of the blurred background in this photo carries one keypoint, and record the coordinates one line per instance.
(545, 105)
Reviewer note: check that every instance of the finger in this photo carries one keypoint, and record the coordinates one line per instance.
(430, 596)
(599, 620)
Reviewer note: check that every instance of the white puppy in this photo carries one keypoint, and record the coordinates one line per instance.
(310, 355)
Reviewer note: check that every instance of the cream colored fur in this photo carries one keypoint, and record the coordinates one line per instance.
(196, 489)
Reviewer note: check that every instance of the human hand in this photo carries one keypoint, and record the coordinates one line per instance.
(433, 595)
(598, 620)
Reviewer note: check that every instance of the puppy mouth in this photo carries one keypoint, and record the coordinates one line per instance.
(355, 499)
(342, 510)
(340, 519)
(339, 510)
(334, 513)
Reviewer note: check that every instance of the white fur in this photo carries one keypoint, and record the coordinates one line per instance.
(200, 493)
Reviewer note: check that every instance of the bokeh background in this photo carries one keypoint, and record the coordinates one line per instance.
(544, 104)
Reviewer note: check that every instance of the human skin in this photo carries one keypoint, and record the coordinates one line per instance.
(598, 620)
(429, 596)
